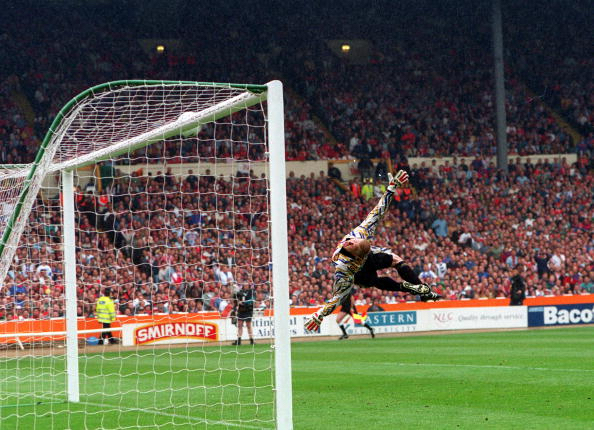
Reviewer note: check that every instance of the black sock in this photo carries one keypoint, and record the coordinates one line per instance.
(387, 283)
(407, 273)
(343, 328)
(368, 327)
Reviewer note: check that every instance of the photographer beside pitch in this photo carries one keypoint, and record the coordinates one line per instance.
(356, 261)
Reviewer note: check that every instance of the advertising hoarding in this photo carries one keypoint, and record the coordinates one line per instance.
(573, 314)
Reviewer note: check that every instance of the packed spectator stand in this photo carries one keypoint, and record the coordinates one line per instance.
(465, 228)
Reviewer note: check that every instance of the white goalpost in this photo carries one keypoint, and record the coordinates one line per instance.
(171, 195)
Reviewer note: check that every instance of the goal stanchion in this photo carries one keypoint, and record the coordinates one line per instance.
(171, 195)
(69, 250)
(280, 257)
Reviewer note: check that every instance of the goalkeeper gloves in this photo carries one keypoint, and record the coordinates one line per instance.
(314, 322)
(399, 180)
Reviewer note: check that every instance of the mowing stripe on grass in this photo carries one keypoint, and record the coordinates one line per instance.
(327, 363)
(151, 411)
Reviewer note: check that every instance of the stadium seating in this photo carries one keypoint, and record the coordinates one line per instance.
(403, 103)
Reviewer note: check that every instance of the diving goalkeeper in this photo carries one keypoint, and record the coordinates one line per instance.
(356, 261)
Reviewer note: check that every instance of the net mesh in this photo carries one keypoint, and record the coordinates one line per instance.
(12, 182)
(116, 118)
(177, 229)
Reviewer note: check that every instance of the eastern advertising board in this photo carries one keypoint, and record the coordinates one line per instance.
(386, 322)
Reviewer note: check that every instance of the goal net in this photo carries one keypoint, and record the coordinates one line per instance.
(169, 198)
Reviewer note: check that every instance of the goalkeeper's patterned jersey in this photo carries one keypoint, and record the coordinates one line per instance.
(345, 266)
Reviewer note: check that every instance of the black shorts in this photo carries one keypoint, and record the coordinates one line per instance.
(346, 305)
(367, 275)
(245, 315)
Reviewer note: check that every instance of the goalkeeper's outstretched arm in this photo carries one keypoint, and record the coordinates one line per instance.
(366, 230)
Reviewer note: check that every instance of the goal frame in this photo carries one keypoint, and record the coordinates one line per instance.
(272, 92)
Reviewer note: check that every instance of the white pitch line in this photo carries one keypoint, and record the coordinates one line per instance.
(478, 366)
(200, 420)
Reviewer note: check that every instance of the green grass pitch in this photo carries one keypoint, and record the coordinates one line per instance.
(517, 379)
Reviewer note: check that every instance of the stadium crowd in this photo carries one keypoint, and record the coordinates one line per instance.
(558, 64)
(403, 103)
(426, 106)
(162, 244)
(38, 70)
(183, 244)
(168, 244)
(466, 230)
